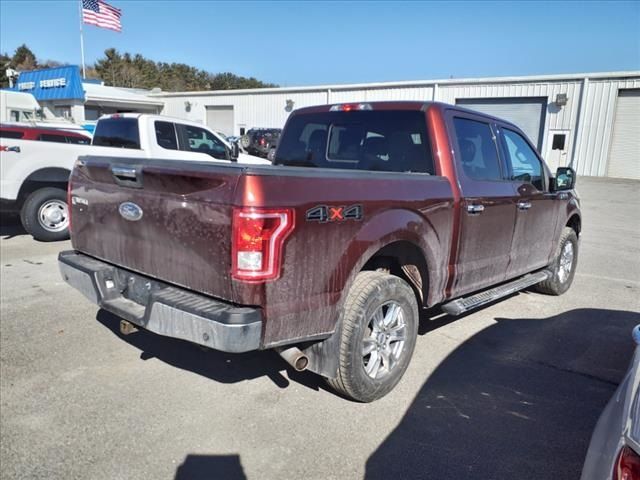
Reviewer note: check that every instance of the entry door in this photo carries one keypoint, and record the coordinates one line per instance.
(220, 118)
(536, 208)
(557, 149)
(487, 215)
(624, 156)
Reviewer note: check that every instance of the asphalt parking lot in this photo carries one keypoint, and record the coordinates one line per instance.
(510, 391)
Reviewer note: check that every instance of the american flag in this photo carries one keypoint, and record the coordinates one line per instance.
(101, 14)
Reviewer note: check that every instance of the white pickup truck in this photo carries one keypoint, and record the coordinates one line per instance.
(34, 173)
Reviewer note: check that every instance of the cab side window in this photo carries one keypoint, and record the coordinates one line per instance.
(166, 135)
(477, 150)
(525, 164)
(202, 141)
(52, 137)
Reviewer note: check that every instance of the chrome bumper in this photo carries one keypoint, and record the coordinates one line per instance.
(161, 308)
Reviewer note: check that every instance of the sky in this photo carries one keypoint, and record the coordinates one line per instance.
(308, 43)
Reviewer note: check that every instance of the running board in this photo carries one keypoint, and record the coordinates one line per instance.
(464, 304)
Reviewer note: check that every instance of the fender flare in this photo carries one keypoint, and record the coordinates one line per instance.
(378, 232)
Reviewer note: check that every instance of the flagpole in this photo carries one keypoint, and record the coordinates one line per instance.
(81, 39)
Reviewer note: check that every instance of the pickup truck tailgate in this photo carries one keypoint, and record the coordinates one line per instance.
(167, 219)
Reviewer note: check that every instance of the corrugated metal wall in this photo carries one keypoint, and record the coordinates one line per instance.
(596, 125)
(589, 130)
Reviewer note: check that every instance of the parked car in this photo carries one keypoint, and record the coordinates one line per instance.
(43, 134)
(258, 141)
(35, 164)
(614, 451)
(155, 136)
(423, 204)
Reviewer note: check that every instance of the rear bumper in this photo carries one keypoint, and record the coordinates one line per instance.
(161, 308)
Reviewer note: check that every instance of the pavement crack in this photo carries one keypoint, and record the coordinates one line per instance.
(572, 371)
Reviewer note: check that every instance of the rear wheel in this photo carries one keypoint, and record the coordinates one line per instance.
(563, 267)
(379, 329)
(45, 214)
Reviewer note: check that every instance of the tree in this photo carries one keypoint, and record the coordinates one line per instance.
(24, 59)
(125, 70)
(5, 62)
(135, 71)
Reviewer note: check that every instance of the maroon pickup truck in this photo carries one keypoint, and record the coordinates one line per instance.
(371, 213)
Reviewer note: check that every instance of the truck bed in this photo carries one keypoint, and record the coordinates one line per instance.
(184, 235)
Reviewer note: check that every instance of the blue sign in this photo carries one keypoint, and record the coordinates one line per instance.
(59, 83)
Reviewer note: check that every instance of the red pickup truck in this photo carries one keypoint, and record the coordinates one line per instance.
(371, 213)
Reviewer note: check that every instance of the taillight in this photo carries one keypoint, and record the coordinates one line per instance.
(262, 142)
(627, 465)
(258, 239)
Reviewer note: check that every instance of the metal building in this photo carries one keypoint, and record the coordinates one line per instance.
(590, 121)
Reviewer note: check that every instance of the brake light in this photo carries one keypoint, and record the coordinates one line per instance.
(262, 141)
(627, 465)
(349, 107)
(258, 239)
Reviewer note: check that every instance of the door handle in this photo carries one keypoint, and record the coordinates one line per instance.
(123, 172)
(127, 177)
(524, 205)
(475, 209)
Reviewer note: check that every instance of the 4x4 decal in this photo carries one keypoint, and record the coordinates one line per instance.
(326, 213)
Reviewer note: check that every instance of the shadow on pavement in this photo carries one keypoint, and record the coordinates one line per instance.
(518, 400)
(210, 467)
(219, 366)
(10, 226)
(232, 368)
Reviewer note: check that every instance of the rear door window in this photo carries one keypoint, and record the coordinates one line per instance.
(384, 140)
(52, 137)
(78, 140)
(477, 150)
(166, 135)
(117, 132)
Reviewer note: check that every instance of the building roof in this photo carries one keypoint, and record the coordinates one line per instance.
(410, 83)
(58, 83)
(104, 94)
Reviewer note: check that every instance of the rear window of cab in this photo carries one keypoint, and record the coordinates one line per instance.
(385, 140)
(117, 132)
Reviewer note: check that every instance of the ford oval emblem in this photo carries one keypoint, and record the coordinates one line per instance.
(130, 211)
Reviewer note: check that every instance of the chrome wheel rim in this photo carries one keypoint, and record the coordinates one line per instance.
(384, 340)
(53, 216)
(566, 262)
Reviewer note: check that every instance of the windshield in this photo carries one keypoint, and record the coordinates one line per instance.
(391, 141)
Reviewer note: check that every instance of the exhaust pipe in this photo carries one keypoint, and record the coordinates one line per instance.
(294, 357)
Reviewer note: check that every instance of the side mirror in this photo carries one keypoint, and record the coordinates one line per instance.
(565, 179)
(235, 152)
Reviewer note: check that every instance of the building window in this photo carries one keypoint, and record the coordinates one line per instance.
(63, 111)
(91, 113)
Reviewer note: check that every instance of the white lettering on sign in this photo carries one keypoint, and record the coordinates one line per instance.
(26, 85)
(53, 82)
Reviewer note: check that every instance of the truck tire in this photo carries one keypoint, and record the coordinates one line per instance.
(45, 214)
(563, 266)
(379, 330)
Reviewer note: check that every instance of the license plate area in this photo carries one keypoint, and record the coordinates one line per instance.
(135, 287)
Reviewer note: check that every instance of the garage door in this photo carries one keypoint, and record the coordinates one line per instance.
(220, 118)
(527, 113)
(624, 156)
